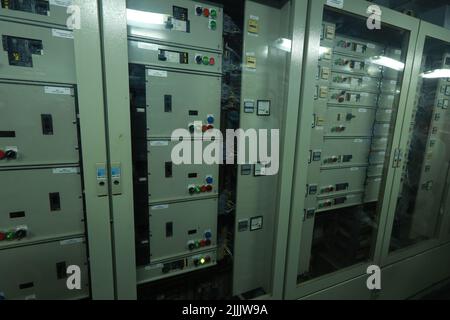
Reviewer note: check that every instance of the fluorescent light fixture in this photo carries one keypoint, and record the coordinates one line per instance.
(388, 63)
(435, 74)
(283, 44)
(136, 17)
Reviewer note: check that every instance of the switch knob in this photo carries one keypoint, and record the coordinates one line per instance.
(191, 245)
(199, 11)
(191, 128)
(199, 59)
(20, 234)
(191, 190)
(11, 154)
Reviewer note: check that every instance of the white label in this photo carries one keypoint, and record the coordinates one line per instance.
(358, 141)
(336, 3)
(147, 46)
(60, 3)
(140, 110)
(377, 179)
(160, 207)
(371, 46)
(388, 111)
(362, 110)
(254, 17)
(157, 73)
(179, 25)
(71, 241)
(173, 57)
(364, 94)
(31, 297)
(354, 169)
(62, 33)
(398, 51)
(393, 82)
(159, 143)
(57, 90)
(154, 266)
(66, 170)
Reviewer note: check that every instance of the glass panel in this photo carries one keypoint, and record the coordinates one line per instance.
(425, 173)
(359, 76)
(205, 231)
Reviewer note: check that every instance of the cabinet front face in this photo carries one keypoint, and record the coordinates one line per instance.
(422, 199)
(357, 104)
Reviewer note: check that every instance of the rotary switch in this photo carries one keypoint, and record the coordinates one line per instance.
(11, 154)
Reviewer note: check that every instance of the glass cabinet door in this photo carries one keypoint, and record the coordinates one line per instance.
(358, 92)
(422, 199)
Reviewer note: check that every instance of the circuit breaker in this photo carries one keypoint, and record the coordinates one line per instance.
(42, 218)
(175, 88)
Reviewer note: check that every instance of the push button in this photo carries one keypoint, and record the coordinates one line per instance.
(199, 59)
(210, 119)
(11, 154)
(2, 236)
(212, 61)
(199, 11)
(209, 180)
(206, 12)
(2, 155)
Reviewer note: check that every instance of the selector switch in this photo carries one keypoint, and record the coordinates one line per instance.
(11, 154)
(199, 59)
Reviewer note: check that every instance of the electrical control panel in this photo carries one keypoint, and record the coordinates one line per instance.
(48, 11)
(188, 228)
(42, 219)
(174, 51)
(31, 209)
(185, 23)
(179, 100)
(39, 272)
(168, 181)
(36, 53)
(51, 121)
(352, 121)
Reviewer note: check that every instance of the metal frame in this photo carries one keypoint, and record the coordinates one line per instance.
(92, 126)
(297, 31)
(115, 55)
(292, 288)
(432, 31)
